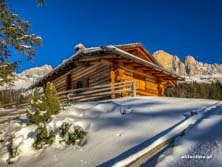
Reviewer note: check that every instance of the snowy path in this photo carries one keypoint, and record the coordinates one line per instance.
(113, 136)
(201, 145)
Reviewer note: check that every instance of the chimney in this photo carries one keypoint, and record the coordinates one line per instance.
(79, 47)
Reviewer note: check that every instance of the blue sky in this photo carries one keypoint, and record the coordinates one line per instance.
(180, 27)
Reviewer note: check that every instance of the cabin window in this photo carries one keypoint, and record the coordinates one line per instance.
(80, 84)
(84, 83)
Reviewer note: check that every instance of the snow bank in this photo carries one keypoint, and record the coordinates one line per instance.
(18, 138)
(201, 146)
(116, 129)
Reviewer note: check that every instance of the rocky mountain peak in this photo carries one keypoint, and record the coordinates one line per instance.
(36, 72)
(28, 77)
(189, 60)
(189, 67)
(164, 58)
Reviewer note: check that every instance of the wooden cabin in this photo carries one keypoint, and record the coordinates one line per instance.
(90, 67)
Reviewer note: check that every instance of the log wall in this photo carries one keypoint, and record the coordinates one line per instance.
(103, 73)
(92, 75)
(147, 84)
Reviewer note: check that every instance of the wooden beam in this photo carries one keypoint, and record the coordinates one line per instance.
(83, 64)
(133, 64)
(123, 59)
(145, 68)
(89, 59)
(107, 62)
(130, 67)
(152, 71)
(137, 72)
(168, 78)
(140, 70)
(161, 74)
(97, 57)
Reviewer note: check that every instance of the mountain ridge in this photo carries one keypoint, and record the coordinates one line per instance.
(28, 77)
(190, 67)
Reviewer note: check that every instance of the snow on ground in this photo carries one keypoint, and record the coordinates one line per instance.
(201, 145)
(116, 129)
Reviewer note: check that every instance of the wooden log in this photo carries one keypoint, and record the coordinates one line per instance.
(102, 76)
(94, 87)
(100, 82)
(94, 98)
(100, 94)
(86, 72)
(140, 73)
(99, 72)
(146, 93)
(83, 73)
(101, 90)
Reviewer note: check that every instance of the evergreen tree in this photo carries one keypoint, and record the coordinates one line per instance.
(44, 106)
(218, 90)
(51, 99)
(196, 90)
(14, 33)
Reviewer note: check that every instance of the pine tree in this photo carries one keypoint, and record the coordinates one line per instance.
(51, 99)
(218, 92)
(38, 107)
(44, 106)
(14, 33)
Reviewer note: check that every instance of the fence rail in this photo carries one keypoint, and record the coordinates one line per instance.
(99, 92)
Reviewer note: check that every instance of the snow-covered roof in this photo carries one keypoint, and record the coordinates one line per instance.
(95, 51)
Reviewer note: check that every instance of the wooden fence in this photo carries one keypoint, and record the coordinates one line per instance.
(12, 110)
(99, 92)
(10, 113)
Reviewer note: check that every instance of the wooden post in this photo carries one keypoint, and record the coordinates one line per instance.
(113, 78)
(134, 88)
(161, 89)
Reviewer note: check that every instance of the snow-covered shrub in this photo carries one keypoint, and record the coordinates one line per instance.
(72, 134)
(44, 106)
(40, 129)
(45, 136)
(21, 140)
